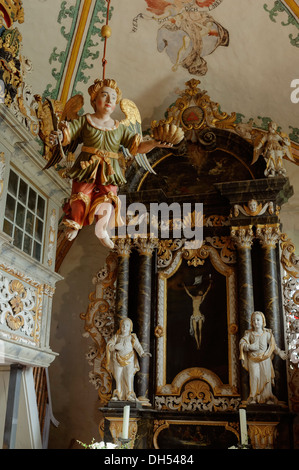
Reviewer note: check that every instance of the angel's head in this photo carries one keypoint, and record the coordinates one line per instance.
(98, 85)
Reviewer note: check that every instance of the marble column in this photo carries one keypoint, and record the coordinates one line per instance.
(123, 250)
(145, 248)
(243, 238)
(269, 236)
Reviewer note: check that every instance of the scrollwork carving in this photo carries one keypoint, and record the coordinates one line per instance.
(290, 264)
(99, 325)
(166, 249)
(18, 306)
(206, 115)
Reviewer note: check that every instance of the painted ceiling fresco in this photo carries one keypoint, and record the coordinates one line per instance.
(244, 52)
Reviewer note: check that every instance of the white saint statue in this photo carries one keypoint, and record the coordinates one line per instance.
(122, 362)
(257, 348)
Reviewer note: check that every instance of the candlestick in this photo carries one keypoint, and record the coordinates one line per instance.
(243, 427)
(126, 420)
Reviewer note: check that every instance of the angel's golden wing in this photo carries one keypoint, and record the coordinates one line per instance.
(130, 110)
(133, 121)
(72, 108)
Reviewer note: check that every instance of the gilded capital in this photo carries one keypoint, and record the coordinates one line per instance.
(268, 234)
(146, 246)
(122, 246)
(242, 236)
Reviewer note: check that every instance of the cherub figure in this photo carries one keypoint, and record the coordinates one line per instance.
(97, 172)
(122, 362)
(197, 318)
(257, 348)
(274, 147)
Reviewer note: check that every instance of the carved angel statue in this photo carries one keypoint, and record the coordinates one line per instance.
(97, 172)
(257, 348)
(121, 360)
(274, 147)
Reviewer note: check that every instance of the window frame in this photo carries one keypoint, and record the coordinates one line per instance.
(21, 227)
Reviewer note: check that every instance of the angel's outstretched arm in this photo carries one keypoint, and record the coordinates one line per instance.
(147, 145)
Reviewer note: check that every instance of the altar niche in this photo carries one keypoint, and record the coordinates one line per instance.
(197, 311)
(197, 329)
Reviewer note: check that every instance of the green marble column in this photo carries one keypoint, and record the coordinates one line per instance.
(145, 248)
(243, 238)
(269, 235)
(123, 250)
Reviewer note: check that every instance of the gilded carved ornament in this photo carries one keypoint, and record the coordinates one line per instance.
(262, 435)
(159, 331)
(197, 114)
(15, 93)
(20, 305)
(10, 65)
(289, 259)
(226, 247)
(253, 209)
(11, 11)
(197, 257)
(290, 285)
(166, 250)
(194, 110)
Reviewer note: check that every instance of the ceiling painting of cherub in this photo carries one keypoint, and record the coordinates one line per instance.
(186, 31)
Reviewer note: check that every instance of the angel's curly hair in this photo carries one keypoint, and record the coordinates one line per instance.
(98, 84)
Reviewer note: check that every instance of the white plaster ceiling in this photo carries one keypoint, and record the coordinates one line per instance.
(251, 75)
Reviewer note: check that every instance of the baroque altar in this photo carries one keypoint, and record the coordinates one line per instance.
(190, 305)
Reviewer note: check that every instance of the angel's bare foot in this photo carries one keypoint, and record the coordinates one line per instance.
(71, 234)
(107, 242)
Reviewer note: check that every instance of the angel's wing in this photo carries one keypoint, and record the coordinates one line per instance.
(72, 108)
(133, 121)
(258, 147)
(69, 112)
(287, 147)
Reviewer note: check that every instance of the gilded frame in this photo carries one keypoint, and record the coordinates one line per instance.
(174, 388)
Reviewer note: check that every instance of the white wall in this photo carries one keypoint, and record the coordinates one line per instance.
(28, 429)
(74, 398)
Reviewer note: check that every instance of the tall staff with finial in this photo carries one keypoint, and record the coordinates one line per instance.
(106, 33)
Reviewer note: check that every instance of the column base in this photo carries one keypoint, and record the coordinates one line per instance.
(144, 401)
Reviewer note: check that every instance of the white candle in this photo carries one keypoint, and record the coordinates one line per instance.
(243, 426)
(126, 420)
